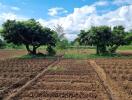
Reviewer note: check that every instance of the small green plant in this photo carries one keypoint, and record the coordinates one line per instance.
(56, 69)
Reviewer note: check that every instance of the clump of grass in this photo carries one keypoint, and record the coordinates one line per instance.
(56, 69)
(30, 56)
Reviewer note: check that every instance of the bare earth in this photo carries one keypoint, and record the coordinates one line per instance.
(65, 79)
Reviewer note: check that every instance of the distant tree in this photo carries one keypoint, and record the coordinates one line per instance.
(98, 36)
(29, 33)
(75, 42)
(106, 40)
(60, 32)
(119, 37)
(62, 42)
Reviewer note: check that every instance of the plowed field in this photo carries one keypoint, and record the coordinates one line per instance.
(69, 79)
(14, 73)
(66, 79)
(120, 72)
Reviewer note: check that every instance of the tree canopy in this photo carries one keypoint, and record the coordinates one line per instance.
(106, 39)
(30, 33)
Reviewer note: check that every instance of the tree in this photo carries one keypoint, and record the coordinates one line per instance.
(62, 42)
(60, 32)
(2, 44)
(119, 37)
(30, 33)
(98, 36)
(106, 40)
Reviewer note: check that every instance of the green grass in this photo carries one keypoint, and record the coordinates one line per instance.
(56, 69)
(93, 56)
(129, 47)
(81, 53)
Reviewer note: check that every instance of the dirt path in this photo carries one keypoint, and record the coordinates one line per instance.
(114, 91)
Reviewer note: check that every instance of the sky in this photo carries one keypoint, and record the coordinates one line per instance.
(72, 15)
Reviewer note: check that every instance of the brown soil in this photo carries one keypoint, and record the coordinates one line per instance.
(78, 81)
(102, 79)
(14, 73)
(119, 76)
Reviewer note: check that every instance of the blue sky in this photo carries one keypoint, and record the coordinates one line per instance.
(39, 8)
(72, 15)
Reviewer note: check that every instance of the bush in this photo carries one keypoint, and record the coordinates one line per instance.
(51, 51)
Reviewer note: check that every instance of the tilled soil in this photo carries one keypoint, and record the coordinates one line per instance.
(67, 79)
(14, 73)
(77, 80)
(5, 54)
(120, 72)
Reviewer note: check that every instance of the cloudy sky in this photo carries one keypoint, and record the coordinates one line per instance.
(72, 15)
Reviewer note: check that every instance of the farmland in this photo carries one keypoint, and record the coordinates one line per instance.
(5, 54)
(65, 79)
(119, 71)
(65, 50)
(16, 72)
(72, 79)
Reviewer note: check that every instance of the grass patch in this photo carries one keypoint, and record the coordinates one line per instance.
(129, 47)
(56, 69)
(93, 56)
(29, 56)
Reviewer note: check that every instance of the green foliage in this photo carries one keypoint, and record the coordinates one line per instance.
(118, 38)
(63, 44)
(29, 33)
(97, 36)
(51, 51)
(105, 39)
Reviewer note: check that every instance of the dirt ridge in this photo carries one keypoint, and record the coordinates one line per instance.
(113, 90)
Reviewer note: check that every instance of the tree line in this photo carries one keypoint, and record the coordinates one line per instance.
(32, 35)
(106, 39)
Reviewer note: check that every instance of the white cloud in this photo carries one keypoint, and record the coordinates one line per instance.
(81, 18)
(86, 16)
(10, 16)
(101, 3)
(57, 10)
(8, 12)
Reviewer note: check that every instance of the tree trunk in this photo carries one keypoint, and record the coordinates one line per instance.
(103, 49)
(34, 50)
(28, 49)
(97, 50)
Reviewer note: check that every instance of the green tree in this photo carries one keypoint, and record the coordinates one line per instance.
(98, 36)
(62, 42)
(119, 38)
(2, 44)
(106, 40)
(29, 33)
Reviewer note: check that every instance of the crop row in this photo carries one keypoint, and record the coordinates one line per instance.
(69, 79)
(14, 71)
(120, 71)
